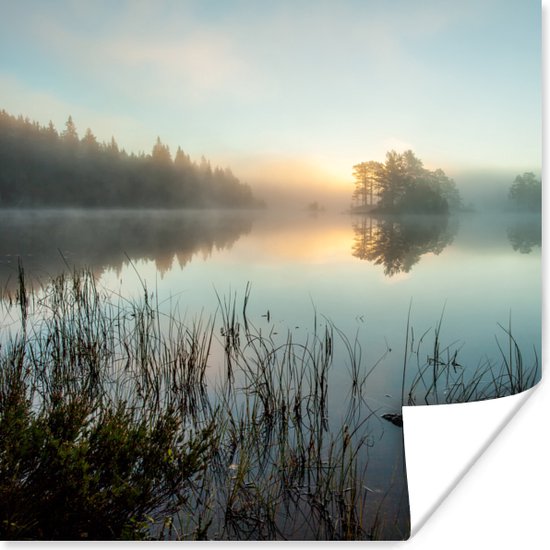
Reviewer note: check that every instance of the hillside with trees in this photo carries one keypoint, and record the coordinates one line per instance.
(401, 185)
(41, 167)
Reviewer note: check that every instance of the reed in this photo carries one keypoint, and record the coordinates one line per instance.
(112, 427)
(442, 378)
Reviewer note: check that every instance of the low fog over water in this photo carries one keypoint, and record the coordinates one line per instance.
(48, 241)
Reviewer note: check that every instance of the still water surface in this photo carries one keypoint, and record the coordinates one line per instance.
(478, 270)
(360, 273)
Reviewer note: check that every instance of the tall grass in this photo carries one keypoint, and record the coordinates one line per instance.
(440, 377)
(89, 446)
(111, 427)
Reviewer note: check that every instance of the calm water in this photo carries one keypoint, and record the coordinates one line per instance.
(475, 272)
(361, 273)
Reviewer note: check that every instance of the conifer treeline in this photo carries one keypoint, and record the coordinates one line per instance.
(42, 167)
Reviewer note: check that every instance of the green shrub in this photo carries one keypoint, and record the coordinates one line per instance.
(77, 471)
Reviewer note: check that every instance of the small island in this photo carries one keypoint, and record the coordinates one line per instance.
(401, 185)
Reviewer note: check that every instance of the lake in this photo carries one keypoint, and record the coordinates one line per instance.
(470, 278)
(478, 270)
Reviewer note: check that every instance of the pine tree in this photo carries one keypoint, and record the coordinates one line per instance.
(89, 140)
(70, 135)
(161, 153)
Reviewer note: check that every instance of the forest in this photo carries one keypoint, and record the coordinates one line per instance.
(41, 167)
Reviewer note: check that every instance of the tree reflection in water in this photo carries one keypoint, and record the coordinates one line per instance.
(526, 234)
(47, 240)
(397, 243)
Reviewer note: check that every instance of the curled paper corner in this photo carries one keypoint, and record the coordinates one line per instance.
(443, 442)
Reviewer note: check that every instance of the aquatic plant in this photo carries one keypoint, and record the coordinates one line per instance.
(442, 378)
(111, 428)
(119, 420)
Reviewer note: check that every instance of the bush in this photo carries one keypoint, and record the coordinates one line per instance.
(82, 470)
(90, 448)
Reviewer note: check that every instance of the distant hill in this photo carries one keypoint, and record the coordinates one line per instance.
(41, 167)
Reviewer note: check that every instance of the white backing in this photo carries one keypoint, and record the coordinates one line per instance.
(442, 442)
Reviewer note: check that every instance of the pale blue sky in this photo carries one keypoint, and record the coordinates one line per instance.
(294, 91)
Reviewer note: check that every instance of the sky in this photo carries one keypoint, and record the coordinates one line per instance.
(288, 93)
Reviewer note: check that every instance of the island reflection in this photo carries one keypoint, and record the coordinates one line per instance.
(397, 243)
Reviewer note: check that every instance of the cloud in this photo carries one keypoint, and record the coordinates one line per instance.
(186, 60)
(200, 66)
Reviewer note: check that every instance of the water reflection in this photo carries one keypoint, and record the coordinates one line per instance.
(399, 243)
(525, 234)
(48, 240)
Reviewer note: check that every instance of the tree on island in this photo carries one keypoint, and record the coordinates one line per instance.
(402, 185)
(526, 193)
(365, 182)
